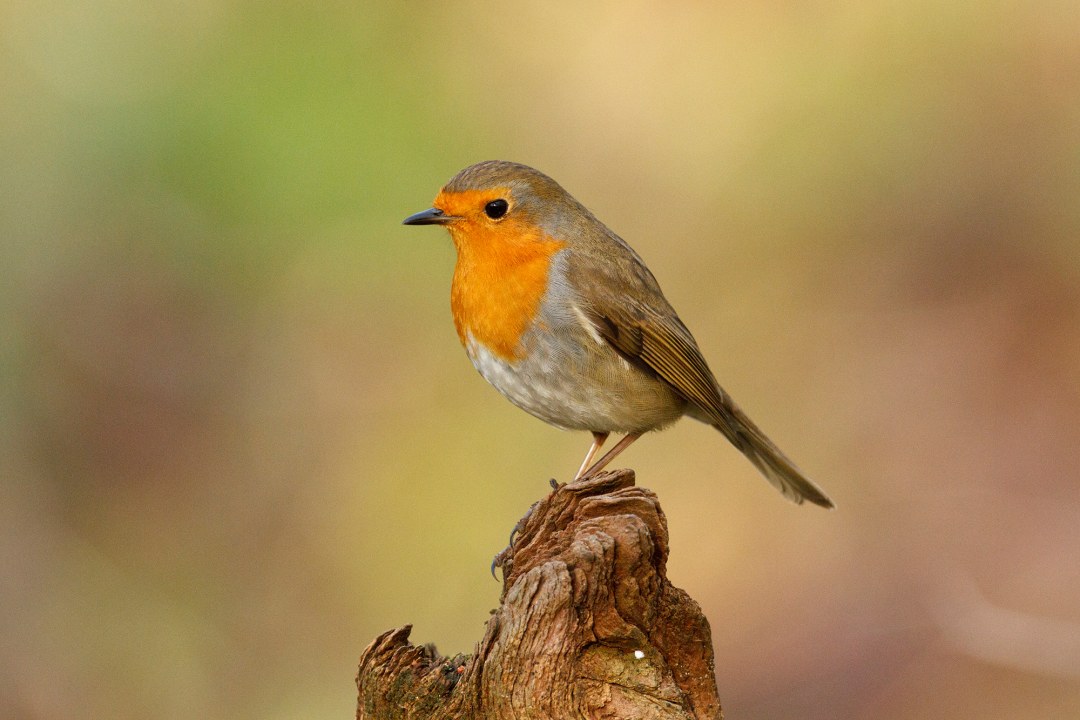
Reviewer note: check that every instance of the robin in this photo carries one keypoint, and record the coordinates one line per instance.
(564, 319)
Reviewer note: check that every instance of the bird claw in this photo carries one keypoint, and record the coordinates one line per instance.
(502, 560)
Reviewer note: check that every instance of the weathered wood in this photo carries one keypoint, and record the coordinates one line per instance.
(588, 626)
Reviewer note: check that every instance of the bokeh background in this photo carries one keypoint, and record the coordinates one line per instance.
(238, 438)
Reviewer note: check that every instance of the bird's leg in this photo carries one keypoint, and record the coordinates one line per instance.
(611, 454)
(598, 439)
(504, 555)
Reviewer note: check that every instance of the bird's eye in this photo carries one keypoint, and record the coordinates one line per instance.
(496, 208)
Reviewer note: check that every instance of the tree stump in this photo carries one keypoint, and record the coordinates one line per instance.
(588, 626)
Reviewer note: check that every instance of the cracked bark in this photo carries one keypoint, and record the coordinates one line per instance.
(588, 626)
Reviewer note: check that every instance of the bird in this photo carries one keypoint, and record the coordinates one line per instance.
(564, 318)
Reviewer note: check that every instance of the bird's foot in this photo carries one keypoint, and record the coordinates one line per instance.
(503, 560)
(503, 557)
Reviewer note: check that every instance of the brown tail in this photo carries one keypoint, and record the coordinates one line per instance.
(770, 460)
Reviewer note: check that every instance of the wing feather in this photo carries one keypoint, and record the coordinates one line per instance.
(629, 311)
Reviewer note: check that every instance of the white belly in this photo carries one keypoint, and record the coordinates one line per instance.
(575, 390)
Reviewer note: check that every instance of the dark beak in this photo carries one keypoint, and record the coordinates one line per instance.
(431, 216)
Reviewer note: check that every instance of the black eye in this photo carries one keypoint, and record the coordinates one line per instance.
(496, 209)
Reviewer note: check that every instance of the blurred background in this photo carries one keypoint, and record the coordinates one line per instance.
(238, 438)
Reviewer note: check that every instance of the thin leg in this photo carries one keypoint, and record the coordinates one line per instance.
(598, 439)
(612, 454)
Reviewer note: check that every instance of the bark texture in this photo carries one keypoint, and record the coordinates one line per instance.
(588, 626)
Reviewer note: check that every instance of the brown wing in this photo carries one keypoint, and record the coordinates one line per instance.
(662, 346)
(625, 304)
(630, 312)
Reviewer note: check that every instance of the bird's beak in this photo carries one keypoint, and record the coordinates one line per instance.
(431, 216)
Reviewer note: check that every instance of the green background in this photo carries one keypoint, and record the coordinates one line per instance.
(238, 437)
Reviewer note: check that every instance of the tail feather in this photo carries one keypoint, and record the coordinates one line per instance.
(777, 468)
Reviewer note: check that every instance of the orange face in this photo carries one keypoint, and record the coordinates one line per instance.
(502, 269)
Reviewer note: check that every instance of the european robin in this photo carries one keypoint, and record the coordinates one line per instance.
(564, 319)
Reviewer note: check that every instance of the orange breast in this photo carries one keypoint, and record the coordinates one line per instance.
(500, 277)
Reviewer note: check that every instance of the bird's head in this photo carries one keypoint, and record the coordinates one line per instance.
(503, 202)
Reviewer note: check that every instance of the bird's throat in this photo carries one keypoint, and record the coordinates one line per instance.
(499, 281)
